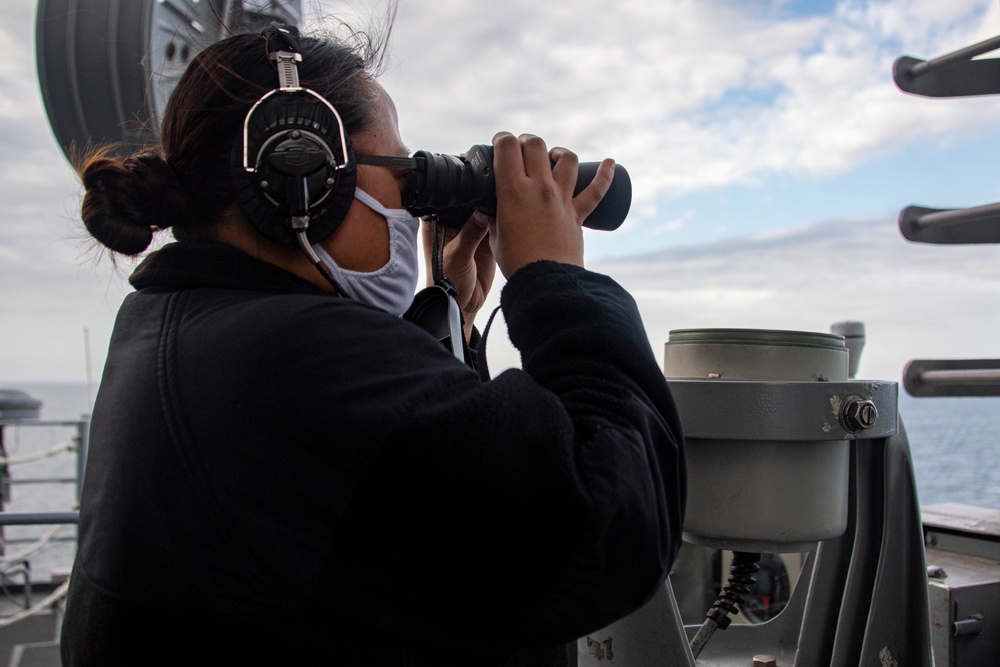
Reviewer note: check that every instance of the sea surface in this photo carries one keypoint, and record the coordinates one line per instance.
(955, 443)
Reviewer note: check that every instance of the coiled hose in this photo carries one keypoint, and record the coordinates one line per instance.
(741, 578)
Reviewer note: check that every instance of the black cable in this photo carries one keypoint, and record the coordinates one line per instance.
(437, 249)
(317, 262)
(741, 578)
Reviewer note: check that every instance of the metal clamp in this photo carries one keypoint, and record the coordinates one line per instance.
(798, 411)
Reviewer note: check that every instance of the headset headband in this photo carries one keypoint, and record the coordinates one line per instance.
(293, 165)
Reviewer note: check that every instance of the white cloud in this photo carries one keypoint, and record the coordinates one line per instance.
(916, 300)
(687, 95)
(669, 226)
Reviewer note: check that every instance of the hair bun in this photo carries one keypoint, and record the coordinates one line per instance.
(128, 200)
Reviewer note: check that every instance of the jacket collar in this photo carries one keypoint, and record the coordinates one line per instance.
(192, 264)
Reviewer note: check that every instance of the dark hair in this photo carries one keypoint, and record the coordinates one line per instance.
(184, 182)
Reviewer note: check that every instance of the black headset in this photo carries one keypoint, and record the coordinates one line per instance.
(293, 167)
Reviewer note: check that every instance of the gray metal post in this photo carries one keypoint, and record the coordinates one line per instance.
(83, 433)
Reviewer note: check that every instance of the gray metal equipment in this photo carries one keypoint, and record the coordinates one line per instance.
(786, 453)
(963, 567)
(765, 420)
(854, 338)
(107, 67)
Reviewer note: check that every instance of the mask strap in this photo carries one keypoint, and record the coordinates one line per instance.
(371, 202)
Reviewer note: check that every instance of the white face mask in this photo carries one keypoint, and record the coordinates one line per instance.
(390, 288)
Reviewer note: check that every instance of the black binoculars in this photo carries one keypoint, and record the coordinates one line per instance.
(451, 187)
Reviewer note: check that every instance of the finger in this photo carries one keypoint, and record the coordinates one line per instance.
(488, 222)
(507, 159)
(483, 219)
(591, 196)
(463, 247)
(565, 165)
(536, 156)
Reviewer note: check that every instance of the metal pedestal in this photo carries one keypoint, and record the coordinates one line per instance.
(861, 598)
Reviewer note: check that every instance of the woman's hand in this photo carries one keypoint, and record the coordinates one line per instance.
(538, 217)
(468, 263)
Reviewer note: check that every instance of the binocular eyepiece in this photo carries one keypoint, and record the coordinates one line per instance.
(451, 187)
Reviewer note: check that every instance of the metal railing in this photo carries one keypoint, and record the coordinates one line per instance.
(79, 443)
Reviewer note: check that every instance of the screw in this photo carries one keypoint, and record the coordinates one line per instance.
(858, 414)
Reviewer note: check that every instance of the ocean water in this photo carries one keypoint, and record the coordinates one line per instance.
(955, 443)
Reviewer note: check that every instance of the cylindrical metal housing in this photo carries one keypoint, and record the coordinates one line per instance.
(747, 492)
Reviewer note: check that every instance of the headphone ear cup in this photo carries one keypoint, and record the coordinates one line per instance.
(300, 126)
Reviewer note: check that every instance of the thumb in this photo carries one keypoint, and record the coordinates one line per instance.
(588, 198)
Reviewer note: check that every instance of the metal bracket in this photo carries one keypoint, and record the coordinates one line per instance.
(759, 410)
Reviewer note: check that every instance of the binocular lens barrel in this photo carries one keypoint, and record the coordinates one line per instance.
(452, 186)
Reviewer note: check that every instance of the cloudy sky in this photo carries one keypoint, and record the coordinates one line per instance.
(769, 150)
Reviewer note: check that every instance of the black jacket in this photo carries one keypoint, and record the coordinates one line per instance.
(280, 475)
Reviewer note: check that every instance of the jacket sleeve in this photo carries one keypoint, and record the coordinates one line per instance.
(541, 505)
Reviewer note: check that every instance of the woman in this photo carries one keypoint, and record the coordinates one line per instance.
(283, 471)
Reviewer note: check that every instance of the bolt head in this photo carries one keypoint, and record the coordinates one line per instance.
(859, 414)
